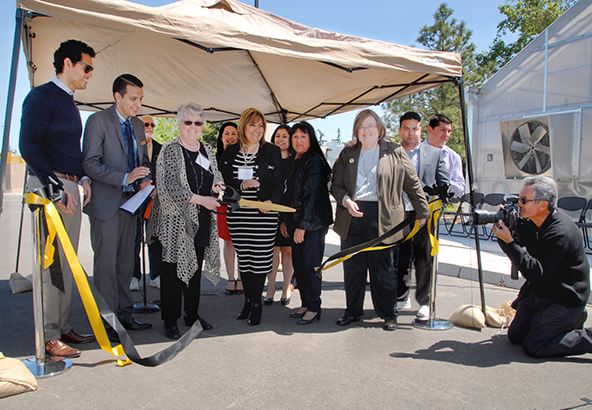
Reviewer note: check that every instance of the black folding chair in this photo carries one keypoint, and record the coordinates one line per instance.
(461, 220)
(585, 223)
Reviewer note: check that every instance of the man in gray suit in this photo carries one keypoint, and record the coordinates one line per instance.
(431, 170)
(116, 160)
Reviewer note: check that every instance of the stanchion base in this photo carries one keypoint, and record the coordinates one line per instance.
(435, 324)
(47, 368)
(145, 308)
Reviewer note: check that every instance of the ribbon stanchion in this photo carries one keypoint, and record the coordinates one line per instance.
(94, 304)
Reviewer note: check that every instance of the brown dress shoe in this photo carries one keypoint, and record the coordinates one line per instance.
(73, 336)
(56, 347)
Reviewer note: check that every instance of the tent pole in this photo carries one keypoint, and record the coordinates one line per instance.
(461, 91)
(16, 48)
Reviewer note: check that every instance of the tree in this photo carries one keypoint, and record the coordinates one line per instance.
(167, 129)
(338, 134)
(446, 34)
(525, 18)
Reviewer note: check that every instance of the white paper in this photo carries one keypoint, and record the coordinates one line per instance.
(132, 204)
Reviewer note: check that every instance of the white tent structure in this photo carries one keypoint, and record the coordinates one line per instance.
(534, 117)
(226, 56)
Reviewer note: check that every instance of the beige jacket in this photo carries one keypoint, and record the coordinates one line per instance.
(395, 174)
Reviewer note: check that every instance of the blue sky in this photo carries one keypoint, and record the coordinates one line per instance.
(395, 21)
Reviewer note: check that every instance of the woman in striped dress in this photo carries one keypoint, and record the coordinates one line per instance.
(252, 167)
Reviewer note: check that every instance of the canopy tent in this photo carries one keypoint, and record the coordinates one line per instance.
(227, 56)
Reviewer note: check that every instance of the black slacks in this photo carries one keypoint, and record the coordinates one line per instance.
(419, 251)
(380, 264)
(305, 257)
(172, 289)
(544, 328)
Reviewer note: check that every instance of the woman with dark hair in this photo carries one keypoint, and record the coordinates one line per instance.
(252, 167)
(283, 246)
(369, 178)
(307, 191)
(186, 176)
(226, 137)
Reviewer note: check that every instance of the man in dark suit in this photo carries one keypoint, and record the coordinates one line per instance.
(116, 160)
(50, 143)
(431, 170)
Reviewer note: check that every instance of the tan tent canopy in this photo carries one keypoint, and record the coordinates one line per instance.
(227, 56)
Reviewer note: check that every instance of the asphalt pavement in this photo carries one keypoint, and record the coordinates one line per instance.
(280, 364)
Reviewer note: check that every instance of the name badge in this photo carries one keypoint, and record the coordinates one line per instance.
(245, 173)
(361, 180)
(203, 162)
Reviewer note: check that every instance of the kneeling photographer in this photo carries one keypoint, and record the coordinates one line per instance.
(547, 248)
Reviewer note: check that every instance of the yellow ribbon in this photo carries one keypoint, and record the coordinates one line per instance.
(55, 226)
(435, 207)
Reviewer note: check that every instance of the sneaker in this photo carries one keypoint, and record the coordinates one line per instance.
(423, 313)
(155, 283)
(404, 304)
(135, 284)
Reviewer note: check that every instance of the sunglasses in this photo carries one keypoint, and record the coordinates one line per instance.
(149, 124)
(523, 201)
(197, 123)
(87, 68)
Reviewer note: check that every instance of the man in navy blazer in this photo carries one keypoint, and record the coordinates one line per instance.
(116, 160)
(431, 169)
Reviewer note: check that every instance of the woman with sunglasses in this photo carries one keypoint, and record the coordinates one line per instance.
(252, 167)
(187, 176)
(227, 137)
(283, 245)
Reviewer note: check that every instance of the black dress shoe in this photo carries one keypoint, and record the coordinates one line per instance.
(205, 325)
(172, 332)
(390, 324)
(347, 319)
(309, 321)
(285, 301)
(297, 315)
(255, 316)
(135, 325)
(268, 301)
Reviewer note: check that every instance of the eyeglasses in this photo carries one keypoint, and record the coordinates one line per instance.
(369, 127)
(87, 68)
(149, 124)
(523, 201)
(197, 123)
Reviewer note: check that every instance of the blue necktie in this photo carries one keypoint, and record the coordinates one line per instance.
(128, 136)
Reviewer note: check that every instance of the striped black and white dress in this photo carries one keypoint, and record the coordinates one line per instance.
(252, 232)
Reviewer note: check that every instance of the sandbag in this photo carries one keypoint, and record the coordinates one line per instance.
(468, 316)
(15, 378)
(18, 283)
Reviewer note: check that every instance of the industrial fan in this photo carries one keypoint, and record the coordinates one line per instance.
(530, 148)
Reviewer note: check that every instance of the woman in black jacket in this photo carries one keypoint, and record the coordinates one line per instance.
(252, 168)
(307, 191)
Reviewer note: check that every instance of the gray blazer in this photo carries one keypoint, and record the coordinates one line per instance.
(105, 160)
(432, 168)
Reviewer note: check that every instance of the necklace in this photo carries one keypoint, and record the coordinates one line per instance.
(187, 146)
(198, 181)
(246, 156)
